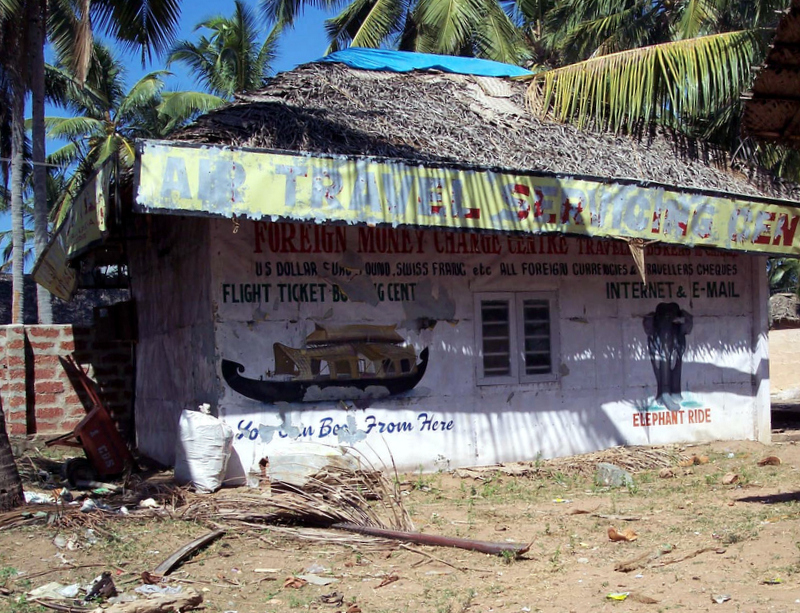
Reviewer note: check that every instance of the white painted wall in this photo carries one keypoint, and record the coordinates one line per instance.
(606, 381)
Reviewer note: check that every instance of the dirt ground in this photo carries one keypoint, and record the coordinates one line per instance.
(738, 542)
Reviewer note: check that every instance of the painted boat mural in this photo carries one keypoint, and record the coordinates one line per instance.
(343, 363)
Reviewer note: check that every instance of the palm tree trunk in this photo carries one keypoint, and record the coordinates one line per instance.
(11, 495)
(17, 229)
(41, 236)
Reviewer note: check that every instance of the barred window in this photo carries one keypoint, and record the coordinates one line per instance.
(517, 337)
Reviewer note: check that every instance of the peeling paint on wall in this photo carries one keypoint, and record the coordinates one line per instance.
(602, 391)
(304, 187)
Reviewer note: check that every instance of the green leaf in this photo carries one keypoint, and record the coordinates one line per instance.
(365, 23)
(145, 91)
(688, 78)
(72, 127)
(181, 107)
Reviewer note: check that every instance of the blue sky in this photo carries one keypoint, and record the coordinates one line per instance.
(305, 43)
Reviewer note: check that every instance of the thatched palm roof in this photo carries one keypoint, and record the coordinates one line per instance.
(784, 311)
(453, 119)
(772, 107)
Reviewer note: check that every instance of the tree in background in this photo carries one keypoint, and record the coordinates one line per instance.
(482, 28)
(36, 16)
(145, 25)
(12, 140)
(624, 65)
(12, 65)
(104, 119)
(230, 60)
(783, 275)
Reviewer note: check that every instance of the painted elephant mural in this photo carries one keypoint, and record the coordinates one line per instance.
(666, 330)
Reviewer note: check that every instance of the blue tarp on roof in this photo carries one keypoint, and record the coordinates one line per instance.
(406, 61)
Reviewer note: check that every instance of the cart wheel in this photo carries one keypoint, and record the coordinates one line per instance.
(79, 469)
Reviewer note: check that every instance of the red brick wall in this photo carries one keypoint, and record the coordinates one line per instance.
(38, 396)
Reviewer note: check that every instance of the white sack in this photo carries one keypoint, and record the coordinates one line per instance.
(202, 450)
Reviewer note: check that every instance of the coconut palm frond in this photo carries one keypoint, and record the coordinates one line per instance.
(530, 11)
(339, 492)
(781, 160)
(144, 91)
(267, 55)
(193, 56)
(230, 60)
(449, 24)
(7, 253)
(783, 275)
(283, 13)
(658, 83)
(9, 7)
(72, 127)
(696, 16)
(148, 26)
(70, 33)
(70, 188)
(364, 23)
(181, 107)
(105, 149)
(498, 38)
(64, 90)
(71, 153)
(578, 30)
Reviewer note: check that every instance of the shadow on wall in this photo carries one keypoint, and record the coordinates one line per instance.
(663, 364)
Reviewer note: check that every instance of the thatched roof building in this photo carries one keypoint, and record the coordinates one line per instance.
(419, 201)
(442, 118)
(784, 311)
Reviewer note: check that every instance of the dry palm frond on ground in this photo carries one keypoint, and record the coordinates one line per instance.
(334, 494)
(341, 497)
(632, 459)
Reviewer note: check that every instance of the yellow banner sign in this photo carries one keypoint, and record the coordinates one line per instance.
(258, 184)
(84, 226)
(53, 273)
(85, 223)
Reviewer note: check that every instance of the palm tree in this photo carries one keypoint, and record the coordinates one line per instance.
(481, 28)
(146, 25)
(628, 63)
(230, 60)
(12, 140)
(11, 495)
(35, 17)
(12, 77)
(104, 119)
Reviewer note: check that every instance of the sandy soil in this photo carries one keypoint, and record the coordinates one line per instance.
(739, 541)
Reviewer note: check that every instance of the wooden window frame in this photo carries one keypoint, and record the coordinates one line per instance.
(515, 301)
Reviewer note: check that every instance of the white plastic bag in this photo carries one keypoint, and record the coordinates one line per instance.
(202, 450)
